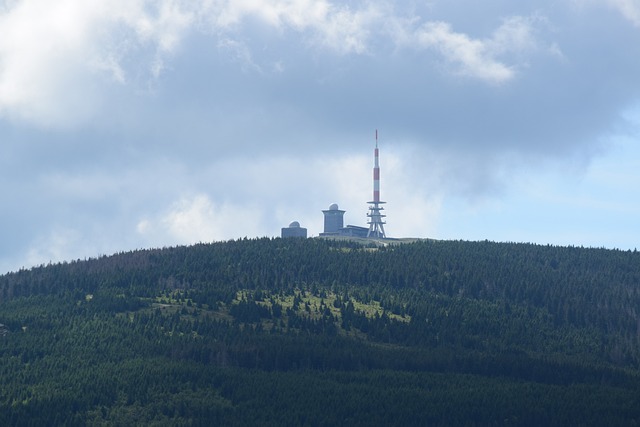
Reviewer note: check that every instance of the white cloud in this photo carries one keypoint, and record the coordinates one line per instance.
(470, 57)
(630, 9)
(58, 59)
(514, 35)
(239, 52)
(414, 203)
(37, 53)
(337, 27)
(479, 58)
(52, 53)
(197, 218)
(346, 31)
(55, 248)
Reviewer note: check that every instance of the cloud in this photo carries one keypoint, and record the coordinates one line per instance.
(60, 61)
(470, 57)
(197, 218)
(38, 55)
(59, 245)
(331, 25)
(630, 9)
(479, 58)
(133, 123)
(54, 55)
(239, 52)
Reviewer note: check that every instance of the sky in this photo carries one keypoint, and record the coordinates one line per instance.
(128, 124)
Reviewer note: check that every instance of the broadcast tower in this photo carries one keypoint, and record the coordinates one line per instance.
(376, 222)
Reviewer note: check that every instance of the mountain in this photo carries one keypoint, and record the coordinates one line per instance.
(320, 332)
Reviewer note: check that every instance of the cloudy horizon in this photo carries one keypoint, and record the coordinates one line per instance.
(135, 124)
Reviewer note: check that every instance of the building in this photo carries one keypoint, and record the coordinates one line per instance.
(294, 230)
(354, 231)
(333, 221)
(334, 224)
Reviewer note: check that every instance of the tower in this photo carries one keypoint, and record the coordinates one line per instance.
(375, 215)
(333, 220)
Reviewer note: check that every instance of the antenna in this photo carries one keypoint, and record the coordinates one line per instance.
(376, 222)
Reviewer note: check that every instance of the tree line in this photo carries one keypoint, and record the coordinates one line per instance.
(320, 332)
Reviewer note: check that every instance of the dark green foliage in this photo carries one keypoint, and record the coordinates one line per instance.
(313, 332)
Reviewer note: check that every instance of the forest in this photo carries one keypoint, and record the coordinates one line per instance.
(319, 332)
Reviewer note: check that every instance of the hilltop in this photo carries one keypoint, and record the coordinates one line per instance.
(325, 332)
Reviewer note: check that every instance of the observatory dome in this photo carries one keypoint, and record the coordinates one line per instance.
(294, 224)
(333, 207)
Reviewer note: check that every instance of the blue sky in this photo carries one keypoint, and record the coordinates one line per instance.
(134, 124)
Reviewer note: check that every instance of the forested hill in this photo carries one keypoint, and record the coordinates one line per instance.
(320, 332)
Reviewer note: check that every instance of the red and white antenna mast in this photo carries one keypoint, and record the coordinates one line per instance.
(376, 222)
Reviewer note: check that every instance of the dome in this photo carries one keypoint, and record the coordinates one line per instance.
(294, 224)
(333, 207)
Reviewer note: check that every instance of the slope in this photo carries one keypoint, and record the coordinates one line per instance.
(315, 332)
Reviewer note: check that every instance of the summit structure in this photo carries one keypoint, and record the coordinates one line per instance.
(375, 216)
(334, 216)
